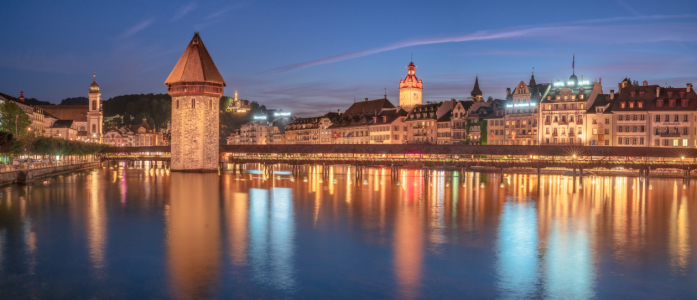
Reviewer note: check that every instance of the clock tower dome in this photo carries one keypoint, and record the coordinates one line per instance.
(410, 89)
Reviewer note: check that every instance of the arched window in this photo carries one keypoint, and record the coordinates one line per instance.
(94, 104)
(94, 128)
(193, 103)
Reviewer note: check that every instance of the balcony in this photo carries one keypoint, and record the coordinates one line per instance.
(579, 122)
(563, 123)
(418, 126)
(548, 123)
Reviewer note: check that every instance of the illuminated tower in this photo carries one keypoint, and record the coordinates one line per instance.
(94, 113)
(196, 87)
(410, 89)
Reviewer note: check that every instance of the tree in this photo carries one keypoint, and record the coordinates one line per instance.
(13, 118)
(490, 99)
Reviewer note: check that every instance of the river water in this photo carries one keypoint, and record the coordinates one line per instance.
(140, 233)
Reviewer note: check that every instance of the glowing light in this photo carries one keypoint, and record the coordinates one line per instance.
(282, 114)
(259, 117)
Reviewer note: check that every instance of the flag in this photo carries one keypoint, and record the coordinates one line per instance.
(335, 135)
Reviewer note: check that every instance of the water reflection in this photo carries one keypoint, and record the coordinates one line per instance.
(112, 233)
(271, 237)
(409, 238)
(517, 263)
(193, 234)
(96, 221)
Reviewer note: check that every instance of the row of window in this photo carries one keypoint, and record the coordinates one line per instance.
(631, 129)
(565, 106)
(676, 118)
(631, 118)
(521, 111)
(193, 104)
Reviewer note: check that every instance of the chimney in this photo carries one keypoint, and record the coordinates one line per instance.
(366, 99)
(689, 87)
(375, 120)
(646, 83)
(600, 80)
(21, 96)
(658, 91)
(612, 94)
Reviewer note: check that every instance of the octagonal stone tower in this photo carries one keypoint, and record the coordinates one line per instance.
(196, 87)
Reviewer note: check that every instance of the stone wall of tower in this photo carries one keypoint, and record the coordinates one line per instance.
(195, 137)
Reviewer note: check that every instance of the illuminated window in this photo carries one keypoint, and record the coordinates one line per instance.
(623, 104)
(640, 104)
(631, 104)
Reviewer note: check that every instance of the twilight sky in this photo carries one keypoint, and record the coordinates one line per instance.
(310, 57)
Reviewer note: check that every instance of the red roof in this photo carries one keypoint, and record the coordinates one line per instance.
(195, 65)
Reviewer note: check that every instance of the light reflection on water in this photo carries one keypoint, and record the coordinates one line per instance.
(149, 233)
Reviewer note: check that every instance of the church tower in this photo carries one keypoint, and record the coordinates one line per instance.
(476, 94)
(196, 87)
(410, 89)
(94, 113)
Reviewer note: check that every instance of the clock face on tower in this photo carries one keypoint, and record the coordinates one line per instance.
(415, 96)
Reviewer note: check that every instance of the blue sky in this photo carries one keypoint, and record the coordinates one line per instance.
(310, 57)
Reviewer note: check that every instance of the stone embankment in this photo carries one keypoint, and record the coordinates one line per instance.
(27, 176)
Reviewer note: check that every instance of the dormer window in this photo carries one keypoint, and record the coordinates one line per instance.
(623, 104)
(640, 104)
(672, 103)
(384, 119)
(631, 104)
(641, 93)
(659, 103)
(682, 94)
(582, 96)
(633, 93)
(670, 94)
(685, 102)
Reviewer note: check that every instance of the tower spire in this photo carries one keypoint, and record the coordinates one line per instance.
(573, 65)
(476, 92)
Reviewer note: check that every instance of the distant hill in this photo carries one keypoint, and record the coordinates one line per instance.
(155, 108)
(34, 101)
(75, 101)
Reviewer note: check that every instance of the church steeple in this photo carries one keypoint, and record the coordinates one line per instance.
(476, 92)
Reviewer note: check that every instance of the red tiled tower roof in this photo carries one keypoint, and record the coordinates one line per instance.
(195, 65)
(411, 80)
